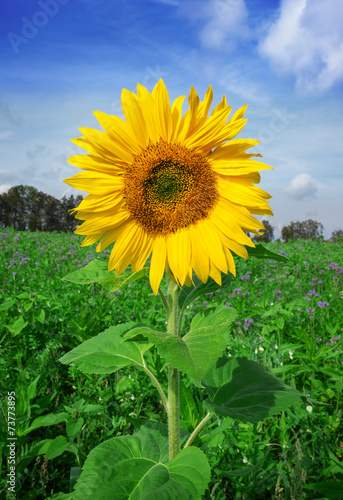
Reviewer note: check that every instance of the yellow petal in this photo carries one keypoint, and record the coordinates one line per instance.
(237, 166)
(119, 131)
(134, 117)
(206, 104)
(222, 105)
(95, 182)
(92, 238)
(200, 260)
(179, 254)
(103, 144)
(158, 262)
(124, 248)
(141, 258)
(97, 203)
(176, 113)
(248, 196)
(149, 112)
(112, 235)
(97, 163)
(230, 262)
(95, 225)
(162, 104)
(203, 135)
(232, 149)
(189, 119)
(215, 274)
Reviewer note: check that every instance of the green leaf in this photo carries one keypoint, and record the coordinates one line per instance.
(51, 448)
(107, 352)
(74, 476)
(45, 421)
(56, 447)
(7, 304)
(188, 408)
(17, 326)
(199, 349)
(244, 390)
(189, 293)
(31, 390)
(27, 304)
(262, 252)
(39, 315)
(62, 496)
(92, 409)
(96, 272)
(330, 489)
(142, 459)
(74, 428)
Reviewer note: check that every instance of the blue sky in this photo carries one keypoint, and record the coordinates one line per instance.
(63, 59)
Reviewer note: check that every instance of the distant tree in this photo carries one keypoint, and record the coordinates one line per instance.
(268, 234)
(24, 207)
(68, 219)
(308, 230)
(337, 235)
(14, 203)
(52, 214)
(5, 211)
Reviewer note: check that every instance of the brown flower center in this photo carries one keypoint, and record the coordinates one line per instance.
(168, 187)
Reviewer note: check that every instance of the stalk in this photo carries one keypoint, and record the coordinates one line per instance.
(173, 375)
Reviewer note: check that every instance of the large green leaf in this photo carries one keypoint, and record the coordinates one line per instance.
(244, 390)
(44, 421)
(262, 252)
(189, 293)
(330, 489)
(96, 272)
(137, 468)
(107, 352)
(199, 349)
(17, 326)
(51, 448)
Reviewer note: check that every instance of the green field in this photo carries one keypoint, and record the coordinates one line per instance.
(289, 319)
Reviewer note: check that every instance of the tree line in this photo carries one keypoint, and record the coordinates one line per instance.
(304, 230)
(25, 208)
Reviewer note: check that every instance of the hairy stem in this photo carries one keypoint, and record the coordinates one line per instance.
(159, 388)
(173, 375)
(198, 428)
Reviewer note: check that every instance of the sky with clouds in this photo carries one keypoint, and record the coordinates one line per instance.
(63, 59)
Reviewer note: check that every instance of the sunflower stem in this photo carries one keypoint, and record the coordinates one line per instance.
(159, 388)
(173, 375)
(198, 428)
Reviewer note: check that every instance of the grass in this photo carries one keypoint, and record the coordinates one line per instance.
(290, 319)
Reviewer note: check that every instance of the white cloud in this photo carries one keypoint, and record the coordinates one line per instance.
(4, 188)
(302, 186)
(225, 21)
(307, 41)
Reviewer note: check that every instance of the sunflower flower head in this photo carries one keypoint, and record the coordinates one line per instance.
(179, 187)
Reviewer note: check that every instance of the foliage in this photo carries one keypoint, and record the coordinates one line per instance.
(289, 319)
(268, 233)
(26, 208)
(337, 235)
(305, 230)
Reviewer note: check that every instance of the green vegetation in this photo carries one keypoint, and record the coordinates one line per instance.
(289, 319)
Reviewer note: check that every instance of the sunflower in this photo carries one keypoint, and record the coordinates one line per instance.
(178, 187)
